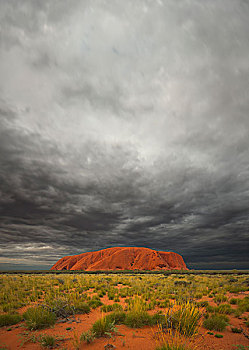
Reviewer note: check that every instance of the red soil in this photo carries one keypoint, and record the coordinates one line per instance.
(122, 258)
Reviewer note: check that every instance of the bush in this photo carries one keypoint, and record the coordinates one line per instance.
(186, 319)
(113, 307)
(9, 319)
(234, 301)
(47, 341)
(216, 323)
(137, 316)
(137, 320)
(61, 307)
(103, 327)
(94, 303)
(88, 336)
(118, 317)
(81, 307)
(220, 299)
(236, 330)
(172, 347)
(38, 317)
(218, 336)
(159, 319)
(224, 309)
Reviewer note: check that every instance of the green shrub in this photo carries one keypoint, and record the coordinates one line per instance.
(220, 298)
(224, 309)
(218, 336)
(243, 305)
(203, 303)
(94, 303)
(112, 307)
(216, 323)
(159, 319)
(233, 301)
(118, 317)
(81, 307)
(38, 317)
(236, 330)
(9, 319)
(137, 315)
(172, 347)
(103, 327)
(47, 341)
(88, 336)
(186, 319)
(137, 320)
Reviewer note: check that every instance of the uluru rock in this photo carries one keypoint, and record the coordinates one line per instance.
(122, 258)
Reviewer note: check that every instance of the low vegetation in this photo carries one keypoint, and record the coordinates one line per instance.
(173, 304)
(9, 319)
(38, 318)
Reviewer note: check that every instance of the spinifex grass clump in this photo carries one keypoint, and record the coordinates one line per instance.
(185, 317)
(171, 339)
(38, 317)
(103, 327)
(47, 341)
(224, 309)
(118, 317)
(9, 319)
(216, 322)
(137, 316)
(111, 307)
(88, 336)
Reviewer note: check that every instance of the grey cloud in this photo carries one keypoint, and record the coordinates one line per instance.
(124, 123)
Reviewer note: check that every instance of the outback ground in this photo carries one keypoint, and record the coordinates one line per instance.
(179, 311)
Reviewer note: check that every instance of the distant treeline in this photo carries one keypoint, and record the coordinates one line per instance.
(130, 272)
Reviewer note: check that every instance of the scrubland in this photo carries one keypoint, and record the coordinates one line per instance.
(179, 311)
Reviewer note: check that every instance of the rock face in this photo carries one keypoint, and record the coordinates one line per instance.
(122, 258)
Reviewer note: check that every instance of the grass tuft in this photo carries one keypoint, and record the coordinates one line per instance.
(38, 318)
(9, 319)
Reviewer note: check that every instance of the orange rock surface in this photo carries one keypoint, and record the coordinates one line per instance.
(122, 258)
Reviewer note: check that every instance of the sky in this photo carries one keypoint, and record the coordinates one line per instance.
(124, 123)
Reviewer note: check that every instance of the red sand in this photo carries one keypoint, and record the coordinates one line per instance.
(122, 258)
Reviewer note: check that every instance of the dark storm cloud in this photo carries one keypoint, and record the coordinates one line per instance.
(124, 124)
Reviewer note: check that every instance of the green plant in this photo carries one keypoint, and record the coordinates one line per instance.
(216, 323)
(118, 317)
(233, 301)
(236, 330)
(137, 316)
(38, 317)
(173, 340)
(137, 320)
(94, 303)
(9, 319)
(186, 318)
(173, 347)
(47, 341)
(220, 298)
(103, 327)
(88, 336)
(218, 336)
(111, 307)
(224, 309)
(81, 307)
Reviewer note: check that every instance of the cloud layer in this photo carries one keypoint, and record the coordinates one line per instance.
(124, 124)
